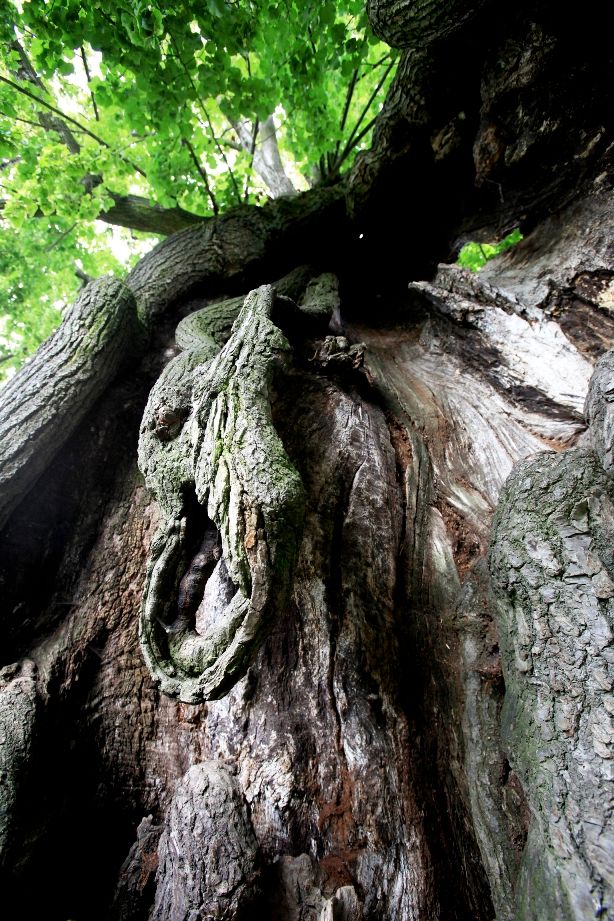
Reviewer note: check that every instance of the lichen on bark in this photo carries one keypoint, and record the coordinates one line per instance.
(45, 402)
(552, 571)
(232, 504)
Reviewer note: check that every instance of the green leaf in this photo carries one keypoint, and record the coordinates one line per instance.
(474, 256)
(216, 8)
(161, 74)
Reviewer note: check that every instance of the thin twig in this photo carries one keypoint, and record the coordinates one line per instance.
(311, 41)
(209, 122)
(349, 147)
(83, 276)
(89, 80)
(203, 175)
(390, 56)
(348, 100)
(353, 139)
(252, 151)
(60, 238)
(26, 121)
(67, 118)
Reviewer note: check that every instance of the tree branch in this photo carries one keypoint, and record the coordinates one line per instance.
(203, 174)
(351, 142)
(209, 122)
(265, 155)
(89, 80)
(66, 118)
(140, 214)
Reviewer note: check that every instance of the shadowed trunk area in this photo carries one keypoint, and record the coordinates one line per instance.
(362, 747)
(375, 505)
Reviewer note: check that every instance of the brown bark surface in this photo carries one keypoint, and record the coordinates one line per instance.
(373, 763)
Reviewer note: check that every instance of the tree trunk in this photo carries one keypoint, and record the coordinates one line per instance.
(342, 704)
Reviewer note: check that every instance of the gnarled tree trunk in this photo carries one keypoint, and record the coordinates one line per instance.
(346, 706)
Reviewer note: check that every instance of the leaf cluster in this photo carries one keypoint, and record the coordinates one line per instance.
(474, 256)
(101, 99)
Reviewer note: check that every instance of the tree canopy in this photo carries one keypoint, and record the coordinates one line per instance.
(154, 116)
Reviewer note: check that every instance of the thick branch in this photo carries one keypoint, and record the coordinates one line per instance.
(232, 244)
(138, 213)
(44, 403)
(416, 23)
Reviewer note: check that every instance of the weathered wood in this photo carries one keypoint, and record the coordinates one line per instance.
(552, 567)
(223, 450)
(366, 737)
(207, 829)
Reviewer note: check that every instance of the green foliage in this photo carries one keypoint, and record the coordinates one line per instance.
(104, 98)
(475, 255)
(38, 279)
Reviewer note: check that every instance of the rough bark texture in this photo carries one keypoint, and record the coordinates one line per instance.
(48, 399)
(236, 246)
(203, 620)
(411, 22)
(18, 705)
(423, 730)
(551, 562)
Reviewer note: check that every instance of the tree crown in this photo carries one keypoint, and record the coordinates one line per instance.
(151, 116)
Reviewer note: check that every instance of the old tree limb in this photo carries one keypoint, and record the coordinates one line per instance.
(370, 543)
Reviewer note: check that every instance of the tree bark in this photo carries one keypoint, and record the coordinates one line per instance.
(402, 488)
(261, 144)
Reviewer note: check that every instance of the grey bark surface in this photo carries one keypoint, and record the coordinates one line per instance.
(598, 409)
(45, 402)
(552, 565)
(18, 711)
(266, 160)
(207, 829)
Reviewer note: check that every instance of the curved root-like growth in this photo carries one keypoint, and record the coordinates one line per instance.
(208, 828)
(216, 577)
